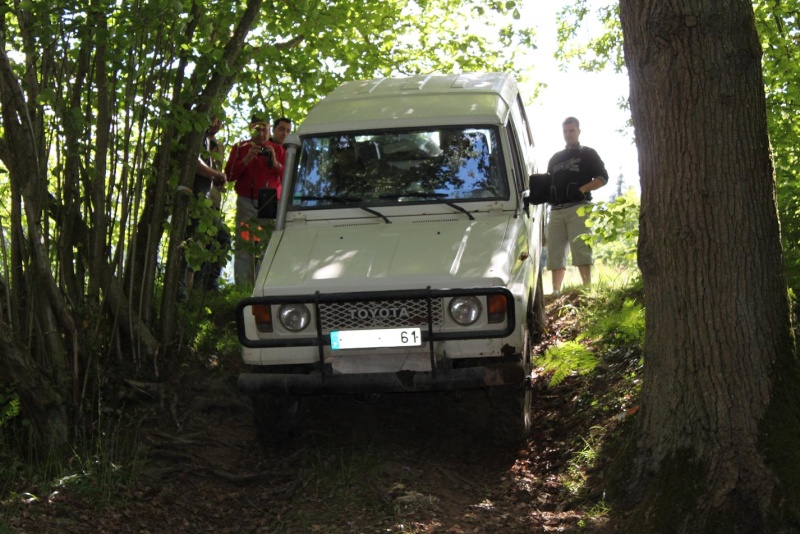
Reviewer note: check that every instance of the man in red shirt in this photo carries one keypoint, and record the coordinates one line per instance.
(253, 164)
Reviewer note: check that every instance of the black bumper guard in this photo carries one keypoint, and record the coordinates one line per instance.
(320, 339)
(402, 381)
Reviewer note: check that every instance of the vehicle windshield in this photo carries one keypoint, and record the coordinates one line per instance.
(390, 167)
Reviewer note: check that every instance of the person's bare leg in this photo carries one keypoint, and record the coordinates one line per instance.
(558, 279)
(586, 274)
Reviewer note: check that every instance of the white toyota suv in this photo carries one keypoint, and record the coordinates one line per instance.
(406, 255)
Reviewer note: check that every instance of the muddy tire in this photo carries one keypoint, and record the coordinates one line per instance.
(538, 316)
(276, 417)
(511, 404)
(512, 414)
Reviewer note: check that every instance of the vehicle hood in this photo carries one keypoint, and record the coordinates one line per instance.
(452, 253)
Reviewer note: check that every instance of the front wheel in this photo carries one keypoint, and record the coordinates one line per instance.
(537, 316)
(512, 413)
(511, 404)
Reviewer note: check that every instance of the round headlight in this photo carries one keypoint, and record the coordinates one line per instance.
(465, 310)
(294, 317)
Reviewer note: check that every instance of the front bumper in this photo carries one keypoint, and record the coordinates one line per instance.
(399, 382)
(319, 334)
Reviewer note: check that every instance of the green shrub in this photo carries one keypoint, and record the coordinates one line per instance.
(615, 226)
(616, 316)
(209, 323)
(606, 317)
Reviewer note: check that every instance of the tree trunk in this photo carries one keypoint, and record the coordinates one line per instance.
(26, 172)
(715, 445)
(40, 400)
(69, 216)
(100, 254)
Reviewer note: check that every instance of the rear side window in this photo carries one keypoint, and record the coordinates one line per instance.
(519, 133)
(521, 118)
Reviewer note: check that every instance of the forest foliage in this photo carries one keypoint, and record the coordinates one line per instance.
(104, 105)
(103, 109)
(590, 35)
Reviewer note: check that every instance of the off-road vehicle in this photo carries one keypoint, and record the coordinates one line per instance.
(406, 255)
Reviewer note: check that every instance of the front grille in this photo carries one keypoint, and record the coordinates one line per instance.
(379, 314)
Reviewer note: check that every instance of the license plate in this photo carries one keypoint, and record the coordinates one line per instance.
(368, 339)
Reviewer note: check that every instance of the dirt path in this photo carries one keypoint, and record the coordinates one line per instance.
(402, 463)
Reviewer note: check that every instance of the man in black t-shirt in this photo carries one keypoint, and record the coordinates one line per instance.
(576, 171)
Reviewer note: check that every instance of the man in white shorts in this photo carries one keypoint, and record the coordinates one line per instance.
(576, 171)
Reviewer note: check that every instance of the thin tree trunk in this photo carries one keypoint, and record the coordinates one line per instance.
(53, 317)
(134, 328)
(180, 204)
(99, 225)
(70, 191)
(140, 272)
(718, 339)
(118, 304)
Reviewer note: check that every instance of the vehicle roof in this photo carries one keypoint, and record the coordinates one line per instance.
(424, 100)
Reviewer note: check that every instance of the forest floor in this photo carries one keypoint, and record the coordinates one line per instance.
(421, 463)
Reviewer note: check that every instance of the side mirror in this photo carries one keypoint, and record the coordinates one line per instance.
(267, 203)
(539, 188)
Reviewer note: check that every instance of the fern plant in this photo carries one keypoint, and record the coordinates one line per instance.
(617, 322)
(606, 317)
(9, 406)
(567, 358)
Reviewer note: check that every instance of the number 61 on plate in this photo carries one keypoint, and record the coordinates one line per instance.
(380, 337)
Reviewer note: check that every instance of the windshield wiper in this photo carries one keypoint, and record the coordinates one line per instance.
(329, 198)
(437, 196)
(376, 213)
(459, 208)
(343, 200)
(415, 194)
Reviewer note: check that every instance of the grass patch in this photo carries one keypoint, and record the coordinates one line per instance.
(602, 317)
(339, 486)
(602, 363)
(99, 465)
(583, 460)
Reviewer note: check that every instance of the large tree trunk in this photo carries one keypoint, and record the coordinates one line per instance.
(715, 444)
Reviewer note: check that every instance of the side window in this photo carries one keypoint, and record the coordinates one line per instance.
(520, 174)
(522, 127)
(518, 110)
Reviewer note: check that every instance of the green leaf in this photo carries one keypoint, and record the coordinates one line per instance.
(46, 96)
